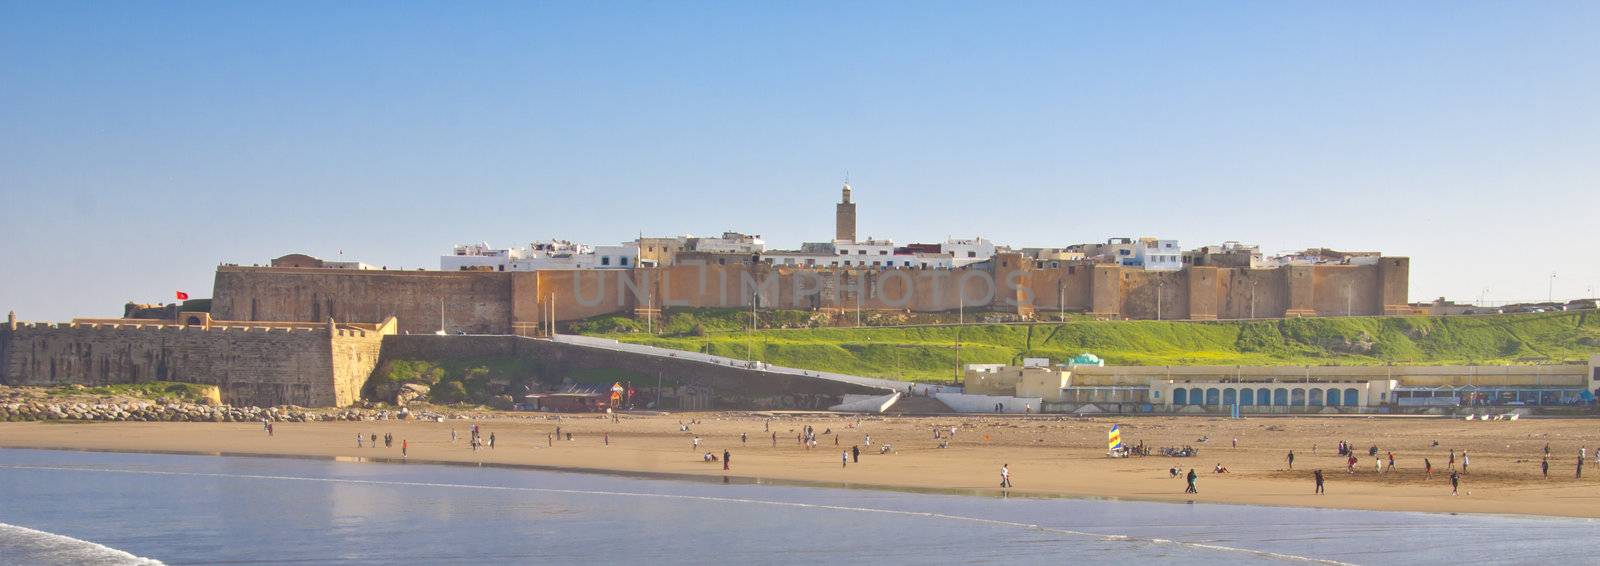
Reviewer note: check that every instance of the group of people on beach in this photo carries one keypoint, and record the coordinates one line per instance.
(388, 442)
(1382, 464)
(475, 438)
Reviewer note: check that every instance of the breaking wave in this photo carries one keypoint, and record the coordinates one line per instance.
(22, 545)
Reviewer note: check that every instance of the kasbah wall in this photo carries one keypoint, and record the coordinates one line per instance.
(310, 365)
(519, 302)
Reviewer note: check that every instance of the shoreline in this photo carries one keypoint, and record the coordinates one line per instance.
(778, 482)
(653, 447)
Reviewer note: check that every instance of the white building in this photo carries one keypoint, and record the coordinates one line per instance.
(864, 250)
(1158, 255)
(729, 243)
(870, 254)
(555, 254)
(347, 265)
(965, 252)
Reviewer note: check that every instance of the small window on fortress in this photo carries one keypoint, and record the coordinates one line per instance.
(847, 263)
(624, 261)
(972, 254)
(605, 260)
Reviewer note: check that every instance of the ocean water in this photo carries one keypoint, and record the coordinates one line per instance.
(62, 507)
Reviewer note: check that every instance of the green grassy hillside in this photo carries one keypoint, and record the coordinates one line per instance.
(928, 353)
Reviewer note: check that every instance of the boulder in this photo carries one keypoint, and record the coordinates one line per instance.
(411, 392)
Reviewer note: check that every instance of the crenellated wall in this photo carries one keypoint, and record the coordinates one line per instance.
(519, 302)
(312, 365)
(473, 302)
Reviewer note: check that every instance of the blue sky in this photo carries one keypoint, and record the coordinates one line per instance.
(143, 143)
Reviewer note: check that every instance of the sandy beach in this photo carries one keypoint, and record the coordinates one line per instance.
(1047, 455)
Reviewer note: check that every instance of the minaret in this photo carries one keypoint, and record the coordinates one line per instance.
(11, 320)
(844, 218)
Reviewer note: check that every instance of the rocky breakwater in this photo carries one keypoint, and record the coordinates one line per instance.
(139, 411)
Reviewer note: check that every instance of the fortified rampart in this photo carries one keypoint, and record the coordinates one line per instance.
(473, 302)
(312, 365)
(481, 302)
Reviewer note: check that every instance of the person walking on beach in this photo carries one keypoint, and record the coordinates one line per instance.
(844, 458)
(1452, 460)
(1455, 482)
(1318, 476)
(491, 441)
(1005, 475)
(1544, 466)
(452, 436)
(743, 439)
(1350, 464)
(774, 440)
(855, 454)
(1192, 477)
(374, 440)
(1579, 474)
(726, 456)
(1291, 459)
(1427, 468)
(608, 439)
(405, 445)
(696, 444)
(1391, 461)
(1465, 460)
(550, 439)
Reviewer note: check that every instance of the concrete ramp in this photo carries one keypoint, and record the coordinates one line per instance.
(875, 404)
(918, 406)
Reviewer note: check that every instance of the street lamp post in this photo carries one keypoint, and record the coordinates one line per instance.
(1551, 297)
(961, 319)
(1061, 300)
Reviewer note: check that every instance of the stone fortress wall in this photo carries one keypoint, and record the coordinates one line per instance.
(262, 364)
(482, 302)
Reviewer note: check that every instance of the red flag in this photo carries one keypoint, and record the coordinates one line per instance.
(182, 296)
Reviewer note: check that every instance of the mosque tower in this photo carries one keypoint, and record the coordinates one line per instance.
(844, 218)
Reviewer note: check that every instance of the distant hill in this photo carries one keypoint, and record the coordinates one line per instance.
(928, 352)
